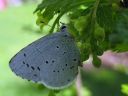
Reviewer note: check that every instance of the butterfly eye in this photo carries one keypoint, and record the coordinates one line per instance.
(63, 27)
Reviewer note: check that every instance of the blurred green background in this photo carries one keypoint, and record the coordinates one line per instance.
(13, 37)
(17, 29)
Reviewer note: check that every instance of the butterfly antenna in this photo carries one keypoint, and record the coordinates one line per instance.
(45, 24)
(63, 25)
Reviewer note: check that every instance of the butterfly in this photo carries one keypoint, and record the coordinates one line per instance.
(52, 60)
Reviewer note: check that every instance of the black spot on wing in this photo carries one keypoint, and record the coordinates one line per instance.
(23, 62)
(38, 68)
(64, 52)
(74, 59)
(58, 71)
(27, 65)
(68, 80)
(57, 46)
(46, 62)
(24, 55)
(32, 68)
(53, 61)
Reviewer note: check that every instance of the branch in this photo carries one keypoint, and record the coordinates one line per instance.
(79, 85)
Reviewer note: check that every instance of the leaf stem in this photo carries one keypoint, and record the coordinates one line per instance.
(95, 9)
(56, 21)
(93, 20)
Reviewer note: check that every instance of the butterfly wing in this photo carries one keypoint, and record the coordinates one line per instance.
(26, 62)
(52, 60)
(62, 59)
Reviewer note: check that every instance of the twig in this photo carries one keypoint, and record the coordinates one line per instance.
(79, 85)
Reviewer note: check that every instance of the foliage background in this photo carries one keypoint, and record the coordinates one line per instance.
(97, 25)
(18, 28)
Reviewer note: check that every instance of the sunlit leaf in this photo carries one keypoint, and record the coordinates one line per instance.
(124, 88)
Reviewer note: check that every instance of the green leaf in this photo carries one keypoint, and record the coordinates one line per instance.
(99, 33)
(51, 93)
(121, 47)
(73, 31)
(124, 88)
(88, 29)
(49, 9)
(85, 52)
(96, 47)
(105, 16)
(97, 25)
